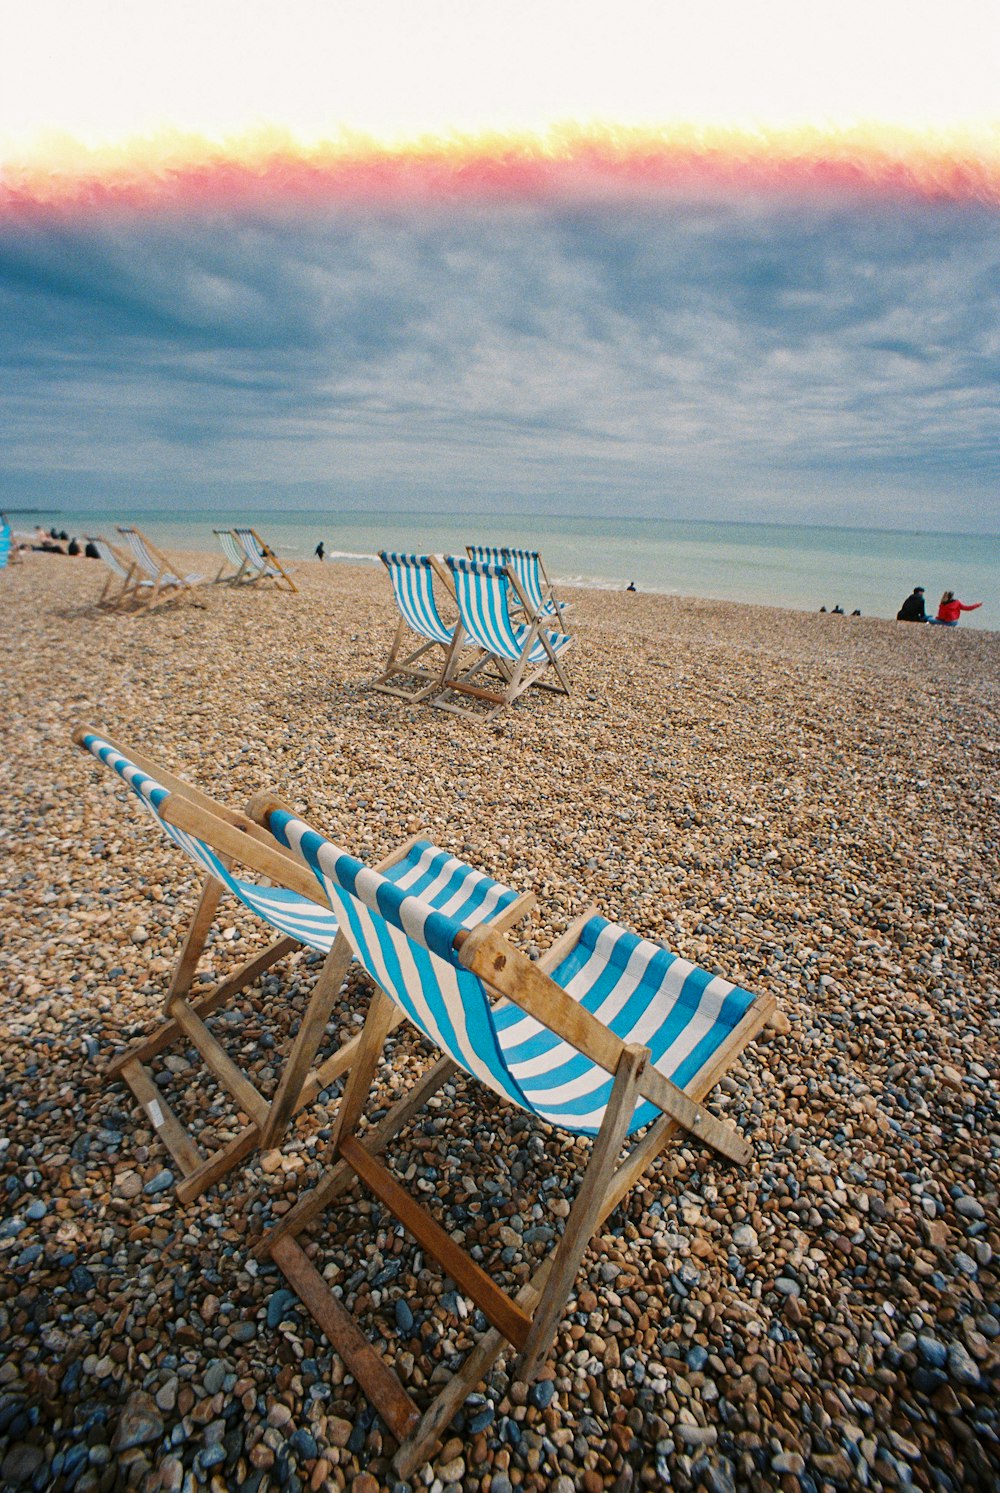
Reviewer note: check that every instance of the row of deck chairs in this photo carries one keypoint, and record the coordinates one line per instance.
(141, 576)
(607, 1035)
(505, 604)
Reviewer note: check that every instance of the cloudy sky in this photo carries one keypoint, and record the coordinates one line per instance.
(417, 256)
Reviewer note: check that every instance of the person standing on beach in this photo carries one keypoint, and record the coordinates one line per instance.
(912, 609)
(950, 609)
(320, 552)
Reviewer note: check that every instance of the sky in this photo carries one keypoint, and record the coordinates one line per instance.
(717, 261)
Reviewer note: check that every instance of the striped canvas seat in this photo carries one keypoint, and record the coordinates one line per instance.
(520, 653)
(640, 992)
(607, 1036)
(5, 541)
(636, 989)
(412, 581)
(284, 910)
(482, 594)
(487, 554)
(262, 562)
(234, 554)
(527, 566)
(253, 552)
(152, 564)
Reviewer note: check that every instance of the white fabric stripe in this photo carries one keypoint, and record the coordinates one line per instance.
(466, 888)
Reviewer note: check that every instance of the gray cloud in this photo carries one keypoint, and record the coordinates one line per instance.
(748, 358)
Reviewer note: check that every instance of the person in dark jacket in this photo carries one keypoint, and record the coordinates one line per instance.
(912, 609)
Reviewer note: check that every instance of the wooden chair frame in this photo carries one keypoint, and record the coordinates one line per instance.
(409, 667)
(237, 838)
(270, 558)
(130, 588)
(515, 677)
(528, 1321)
(238, 559)
(168, 585)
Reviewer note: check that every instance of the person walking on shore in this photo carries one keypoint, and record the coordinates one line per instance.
(912, 609)
(950, 609)
(319, 551)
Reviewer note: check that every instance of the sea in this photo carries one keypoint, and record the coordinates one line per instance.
(802, 567)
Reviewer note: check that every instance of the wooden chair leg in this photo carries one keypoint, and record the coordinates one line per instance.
(308, 1038)
(586, 1211)
(194, 940)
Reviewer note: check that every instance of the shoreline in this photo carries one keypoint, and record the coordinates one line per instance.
(810, 810)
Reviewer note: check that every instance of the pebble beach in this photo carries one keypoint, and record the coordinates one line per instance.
(805, 803)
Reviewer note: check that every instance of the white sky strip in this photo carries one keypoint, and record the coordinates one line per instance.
(112, 71)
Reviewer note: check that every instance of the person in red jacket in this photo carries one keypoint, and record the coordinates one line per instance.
(949, 609)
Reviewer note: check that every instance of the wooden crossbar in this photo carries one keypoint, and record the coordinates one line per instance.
(164, 1036)
(218, 1060)
(162, 1118)
(367, 1365)
(495, 1304)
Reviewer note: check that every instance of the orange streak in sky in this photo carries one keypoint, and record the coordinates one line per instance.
(181, 173)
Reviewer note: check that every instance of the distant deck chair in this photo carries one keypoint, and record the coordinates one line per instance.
(521, 653)
(412, 578)
(124, 585)
(235, 556)
(292, 905)
(605, 1035)
(535, 584)
(263, 562)
(167, 584)
(5, 541)
(487, 554)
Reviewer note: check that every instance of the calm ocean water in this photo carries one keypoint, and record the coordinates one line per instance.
(782, 565)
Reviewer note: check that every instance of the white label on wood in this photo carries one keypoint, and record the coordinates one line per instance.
(155, 1113)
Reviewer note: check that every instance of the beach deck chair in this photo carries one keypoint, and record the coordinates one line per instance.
(535, 584)
(167, 584)
(5, 541)
(124, 586)
(487, 554)
(235, 556)
(605, 1036)
(412, 578)
(263, 563)
(293, 907)
(520, 653)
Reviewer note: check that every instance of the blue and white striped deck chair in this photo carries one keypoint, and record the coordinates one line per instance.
(5, 541)
(534, 582)
(235, 557)
(487, 554)
(607, 1036)
(167, 584)
(412, 578)
(263, 562)
(521, 652)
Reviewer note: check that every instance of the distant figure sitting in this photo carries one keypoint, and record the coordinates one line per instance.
(950, 608)
(822, 609)
(856, 612)
(630, 586)
(838, 611)
(320, 551)
(91, 551)
(912, 609)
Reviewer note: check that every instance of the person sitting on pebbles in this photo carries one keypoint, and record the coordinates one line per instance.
(950, 609)
(912, 609)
